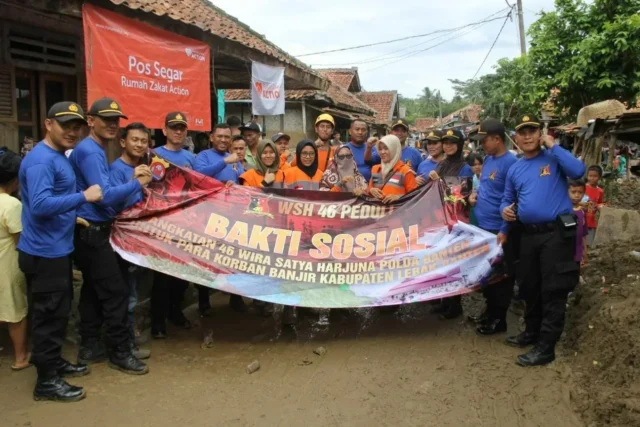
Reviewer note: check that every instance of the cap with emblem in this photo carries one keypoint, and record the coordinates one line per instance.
(434, 135)
(276, 136)
(65, 112)
(326, 118)
(527, 120)
(401, 122)
(489, 127)
(251, 126)
(106, 107)
(453, 135)
(175, 118)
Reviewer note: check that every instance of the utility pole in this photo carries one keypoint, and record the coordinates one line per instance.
(440, 106)
(523, 41)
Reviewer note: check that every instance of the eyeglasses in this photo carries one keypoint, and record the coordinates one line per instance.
(344, 156)
(308, 155)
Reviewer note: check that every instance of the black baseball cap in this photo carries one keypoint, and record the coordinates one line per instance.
(175, 118)
(106, 107)
(279, 135)
(66, 111)
(527, 120)
(489, 127)
(251, 126)
(453, 134)
(400, 122)
(434, 136)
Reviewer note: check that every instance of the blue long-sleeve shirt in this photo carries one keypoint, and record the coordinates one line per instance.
(425, 167)
(183, 158)
(89, 162)
(412, 157)
(358, 155)
(540, 185)
(120, 173)
(491, 191)
(49, 203)
(211, 163)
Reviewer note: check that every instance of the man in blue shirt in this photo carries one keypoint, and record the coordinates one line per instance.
(175, 129)
(217, 162)
(364, 152)
(491, 136)
(433, 143)
(536, 194)
(135, 145)
(49, 203)
(410, 155)
(104, 296)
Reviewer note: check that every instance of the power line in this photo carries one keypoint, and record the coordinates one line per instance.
(378, 58)
(492, 46)
(397, 40)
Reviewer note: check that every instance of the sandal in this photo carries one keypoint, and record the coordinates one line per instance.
(16, 368)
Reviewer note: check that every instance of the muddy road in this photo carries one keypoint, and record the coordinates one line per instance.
(381, 368)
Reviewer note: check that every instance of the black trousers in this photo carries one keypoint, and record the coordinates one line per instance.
(104, 298)
(167, 295)
(498, 295)
(547, 273)
(50, 284)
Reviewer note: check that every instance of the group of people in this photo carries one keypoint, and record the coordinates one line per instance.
(69, 203)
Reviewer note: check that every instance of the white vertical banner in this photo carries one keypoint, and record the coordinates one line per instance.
(267, 89)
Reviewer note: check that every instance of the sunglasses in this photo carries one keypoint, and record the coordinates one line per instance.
(344, 156)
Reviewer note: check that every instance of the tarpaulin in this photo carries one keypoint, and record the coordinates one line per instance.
(303, 248)
(267, 90)
(149, 71)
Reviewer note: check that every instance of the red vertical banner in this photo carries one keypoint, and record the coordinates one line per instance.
(149, 71)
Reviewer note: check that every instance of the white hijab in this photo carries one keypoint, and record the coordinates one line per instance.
(393, 144)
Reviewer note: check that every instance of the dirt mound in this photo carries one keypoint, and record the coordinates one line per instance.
(603, 334)
(623, 196)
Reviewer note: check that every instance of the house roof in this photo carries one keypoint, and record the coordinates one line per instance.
(346, 78)
(469, 113)
(384, 103)
(423, 124)
(209, 18)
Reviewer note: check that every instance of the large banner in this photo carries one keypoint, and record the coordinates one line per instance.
(149, 71)
(312, 249)
(267, 90)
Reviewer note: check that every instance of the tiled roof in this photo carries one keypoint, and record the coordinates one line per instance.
(382, 102)
(425, 123)
(208, 17)
(344, 77)
(290, 95)
(470, 113)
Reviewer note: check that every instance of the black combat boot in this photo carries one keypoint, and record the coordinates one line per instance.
(92, 352)
(126, 362)
(522, 340)
(542, 354)
(67, 369)
(492, 327)
(480, 318)
(50, 386)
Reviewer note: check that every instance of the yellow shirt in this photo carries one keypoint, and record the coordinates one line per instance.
(13, 289)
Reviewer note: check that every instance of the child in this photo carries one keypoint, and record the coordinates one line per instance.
(577, 189)
(596, 198)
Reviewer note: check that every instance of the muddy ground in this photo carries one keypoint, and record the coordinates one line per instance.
(381, 369)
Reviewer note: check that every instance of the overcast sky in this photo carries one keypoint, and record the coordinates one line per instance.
(306, 26)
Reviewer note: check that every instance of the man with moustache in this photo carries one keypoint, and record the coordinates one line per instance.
(410, 155)
(49, 203)
(104, 298)
(251, 133)
(364, 152)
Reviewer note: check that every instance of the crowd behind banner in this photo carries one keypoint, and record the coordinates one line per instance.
(538, 206)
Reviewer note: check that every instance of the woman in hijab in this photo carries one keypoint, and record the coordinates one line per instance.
(391, 179)
(305, 175)
(267, 172)
(343, 175)
(454, 164)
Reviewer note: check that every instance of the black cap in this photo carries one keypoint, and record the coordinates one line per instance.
(66, 111)
(527, 120)
(277, 136)
(251, 126)
(400, 122)
(434, 135)
(489, 127)
(106, 107)
(453, 134)
(175, 118)
(9, 164)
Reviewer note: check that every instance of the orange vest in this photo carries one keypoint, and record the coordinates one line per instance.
(252, 178)
(284, 164)
(402, 181)
(295, 179)
(324, 158)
